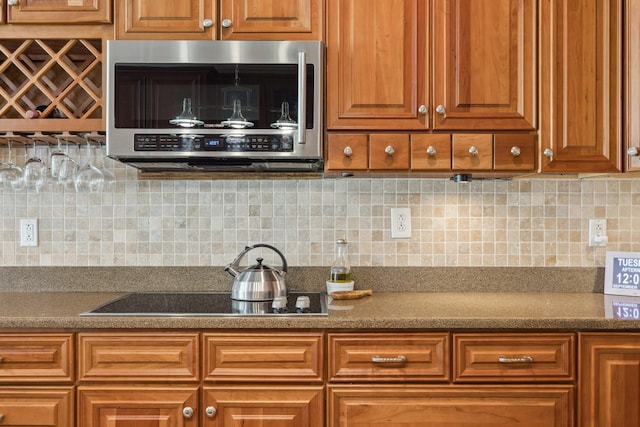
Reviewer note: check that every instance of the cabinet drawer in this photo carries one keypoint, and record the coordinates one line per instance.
(389, 357)
(389, 151)
(41, 358)
(514, 357)
(445, 406)
(284, 357)
(37, 406)
(141, 356)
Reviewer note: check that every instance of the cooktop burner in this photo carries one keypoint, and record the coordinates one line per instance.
(179, 304)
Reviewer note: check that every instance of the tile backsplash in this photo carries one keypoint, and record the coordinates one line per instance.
(525, 222)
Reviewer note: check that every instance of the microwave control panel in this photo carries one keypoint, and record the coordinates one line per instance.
(219, 143)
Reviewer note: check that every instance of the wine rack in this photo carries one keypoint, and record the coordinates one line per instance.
(63, 75)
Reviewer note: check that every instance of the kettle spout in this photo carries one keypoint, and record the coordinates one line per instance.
(235, 264)
(229, 269)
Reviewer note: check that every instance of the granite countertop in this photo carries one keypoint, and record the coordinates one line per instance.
(382, 310)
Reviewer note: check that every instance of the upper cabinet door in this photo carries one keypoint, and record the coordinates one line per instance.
(632, 84)
(166, 19)
(581, 86)
(377, 55)
(272, 19)
(59, 11)
(484, 65)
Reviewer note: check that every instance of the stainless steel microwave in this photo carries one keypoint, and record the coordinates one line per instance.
(215, 105)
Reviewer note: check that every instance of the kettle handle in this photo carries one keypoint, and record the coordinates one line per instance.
(264, 245)
(231, 268)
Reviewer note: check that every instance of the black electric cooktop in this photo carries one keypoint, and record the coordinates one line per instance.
(180, 304)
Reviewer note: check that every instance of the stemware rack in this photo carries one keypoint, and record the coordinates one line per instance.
(64, 75)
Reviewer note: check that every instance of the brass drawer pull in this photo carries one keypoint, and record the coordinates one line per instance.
(523, 359)
(398, 359)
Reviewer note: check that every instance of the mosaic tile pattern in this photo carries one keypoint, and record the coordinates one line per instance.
(527, 222)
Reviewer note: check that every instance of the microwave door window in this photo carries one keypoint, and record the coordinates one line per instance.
(159, 96)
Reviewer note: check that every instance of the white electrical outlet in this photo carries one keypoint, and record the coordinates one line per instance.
(400, 223)
(598, 232)
(28, 232)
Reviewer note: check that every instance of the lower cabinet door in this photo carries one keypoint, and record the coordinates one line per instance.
(451, 406)
(36, 406)
(263, 406)
(136, 406)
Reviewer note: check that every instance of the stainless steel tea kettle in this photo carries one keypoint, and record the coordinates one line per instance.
(258, 282)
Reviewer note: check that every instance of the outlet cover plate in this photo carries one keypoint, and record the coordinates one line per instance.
(400, 223)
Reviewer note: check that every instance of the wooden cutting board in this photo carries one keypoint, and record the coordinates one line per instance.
(351, 294)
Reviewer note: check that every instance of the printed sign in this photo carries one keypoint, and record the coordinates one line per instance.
(622, 273)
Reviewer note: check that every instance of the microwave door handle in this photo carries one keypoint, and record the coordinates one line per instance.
(302, 97)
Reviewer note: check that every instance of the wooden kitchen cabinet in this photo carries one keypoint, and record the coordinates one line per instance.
(514, 152)
(265, 357)
(58, 11)
(36, 379)
(581, 86)
(152, 357)
(220, 19)
(136, 405)
(409, 357)
(272, 19)
(37, 406)
(166, 19)
(347, 152)
(291, 406)
(431, 152)
(445, 406)
(30, 59)
(484, 65)
(482, 70)
(472, 152)
(505, 379)
(377, 64)
(375, 152)
(631, 105)
(509, 358)
(37, 358)
(609, 380)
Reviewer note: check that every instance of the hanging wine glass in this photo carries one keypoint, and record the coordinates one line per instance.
(11, 175)
(35, 169)
(56, 160)
(88, 178)
(109, 177)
